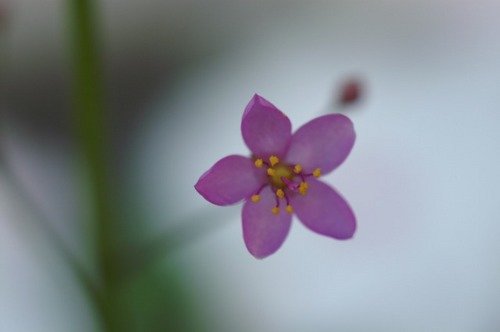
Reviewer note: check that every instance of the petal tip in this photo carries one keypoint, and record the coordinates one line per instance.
(258, 256)
(197, 185)
(261, 101)
(259, 98)
(256, 96)
(348, 124)
(206, 195)
(198, 188)
(256, 100)
(348, 234)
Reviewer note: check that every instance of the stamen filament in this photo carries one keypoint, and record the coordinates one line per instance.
(316, 173)
(256, 197)
(276, 209)
(288, 208)
(287, 200)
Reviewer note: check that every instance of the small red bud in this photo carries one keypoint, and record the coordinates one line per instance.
(350, 92)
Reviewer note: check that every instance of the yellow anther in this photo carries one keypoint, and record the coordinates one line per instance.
(297, 169)
(275, 210)
(271, 172)
(259, 163)
(289, 209)
(280, 193)
(255, 198)
(274, 160)
(303, 188)
(317, 173)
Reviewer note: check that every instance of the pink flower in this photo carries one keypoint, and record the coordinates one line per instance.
(281, 177)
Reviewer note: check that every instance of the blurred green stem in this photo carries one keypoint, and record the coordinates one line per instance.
(89, 118)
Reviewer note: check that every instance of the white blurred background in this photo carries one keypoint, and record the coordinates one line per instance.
(422, 178)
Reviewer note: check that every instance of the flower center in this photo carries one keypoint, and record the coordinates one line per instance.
(279, 172)
(283, 181)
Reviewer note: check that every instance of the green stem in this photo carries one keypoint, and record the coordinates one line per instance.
(89, 117)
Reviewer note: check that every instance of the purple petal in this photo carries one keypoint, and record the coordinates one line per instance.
(265, 129)
(230, 180)
(263, 231)
(324, 211)
(324, 143)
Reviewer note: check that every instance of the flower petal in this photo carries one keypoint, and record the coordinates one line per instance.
(263, 231)
(324, 211)
(230, 180)
(265, 129)
(324, 143)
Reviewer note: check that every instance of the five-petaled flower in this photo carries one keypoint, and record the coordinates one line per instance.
(281, 177)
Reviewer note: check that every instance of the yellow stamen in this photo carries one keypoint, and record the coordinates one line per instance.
(275, 210)
(297, 169)
(289, 209)
(274, 160)
(280, 193)
(259, 163)
(303, 188)
(317, 173)
(255, 198)
(271, 172)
